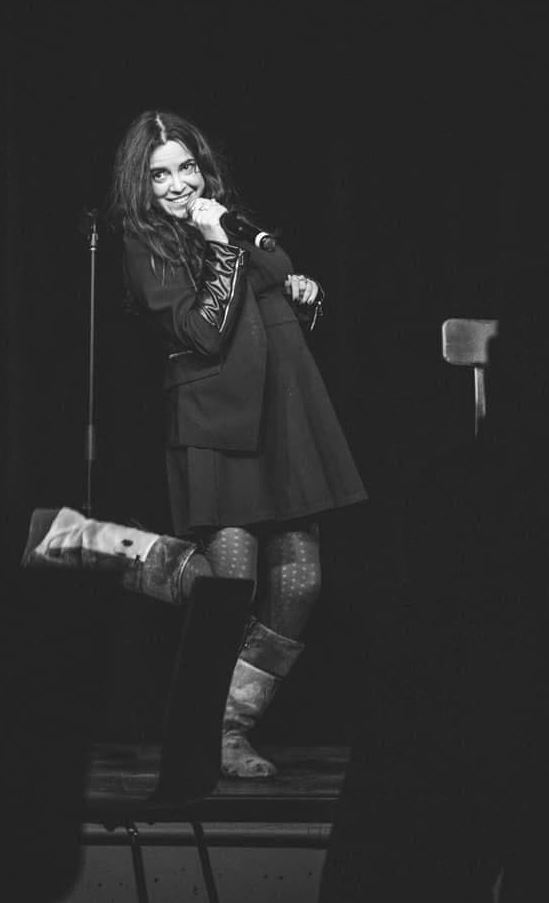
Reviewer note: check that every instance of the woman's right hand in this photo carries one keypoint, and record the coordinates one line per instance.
(204, 214)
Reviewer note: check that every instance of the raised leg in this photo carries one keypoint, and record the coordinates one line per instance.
(162, 567)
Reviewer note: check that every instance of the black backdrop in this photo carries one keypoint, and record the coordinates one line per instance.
(402, 151)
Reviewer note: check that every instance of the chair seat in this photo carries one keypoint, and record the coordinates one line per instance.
(122, 774)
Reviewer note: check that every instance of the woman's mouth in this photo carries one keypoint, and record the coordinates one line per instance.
(180, 203)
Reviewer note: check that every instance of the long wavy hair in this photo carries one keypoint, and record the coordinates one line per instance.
(133, 204)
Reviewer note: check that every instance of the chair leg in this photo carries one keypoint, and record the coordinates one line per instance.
(207, 871)
(138, 865)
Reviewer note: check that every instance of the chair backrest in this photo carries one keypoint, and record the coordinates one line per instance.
(202, 669)
(467, 344)
(178, 760)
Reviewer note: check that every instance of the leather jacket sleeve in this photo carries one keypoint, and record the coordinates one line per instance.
(217, 301)
(191, 317)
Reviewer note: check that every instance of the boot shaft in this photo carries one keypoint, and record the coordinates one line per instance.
(147, 563)
(265, 658)
(268, 650)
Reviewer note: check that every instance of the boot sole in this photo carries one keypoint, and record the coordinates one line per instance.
(40, 523)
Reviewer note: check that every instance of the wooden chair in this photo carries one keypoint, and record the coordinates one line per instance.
(466, 344)
(165, 781)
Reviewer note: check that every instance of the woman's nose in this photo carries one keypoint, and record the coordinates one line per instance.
(177, 182)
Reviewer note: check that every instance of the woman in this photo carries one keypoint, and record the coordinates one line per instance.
(254, 449)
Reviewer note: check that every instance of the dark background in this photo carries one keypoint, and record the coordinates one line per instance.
(402, 151)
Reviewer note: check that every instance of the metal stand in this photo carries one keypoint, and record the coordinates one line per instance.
(205, 863)
(138, 864)
(137, 861)
(93, 239)
(480, 398)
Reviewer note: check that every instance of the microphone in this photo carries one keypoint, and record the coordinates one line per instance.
(87, 221)
(235, 223)
(87, 225)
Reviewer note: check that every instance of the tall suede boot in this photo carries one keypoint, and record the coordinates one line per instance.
(265, 658)
(162, 567)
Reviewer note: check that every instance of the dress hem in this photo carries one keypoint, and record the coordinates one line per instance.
(272, 517)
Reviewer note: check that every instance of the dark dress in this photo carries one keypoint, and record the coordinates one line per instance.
(303, 464)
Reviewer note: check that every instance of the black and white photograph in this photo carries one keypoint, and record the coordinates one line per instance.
(275, 452)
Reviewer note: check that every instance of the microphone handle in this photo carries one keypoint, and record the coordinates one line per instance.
(241, 228)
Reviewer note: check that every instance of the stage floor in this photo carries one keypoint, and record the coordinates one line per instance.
(295, 808)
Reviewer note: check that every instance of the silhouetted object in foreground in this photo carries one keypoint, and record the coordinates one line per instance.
(88, 664)
(447, 792)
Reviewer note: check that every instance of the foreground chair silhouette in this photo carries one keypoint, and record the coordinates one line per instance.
(167, 780)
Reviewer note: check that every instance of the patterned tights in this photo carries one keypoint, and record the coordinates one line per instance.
(287, 563)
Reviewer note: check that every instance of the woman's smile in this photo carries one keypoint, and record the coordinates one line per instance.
(182, 201)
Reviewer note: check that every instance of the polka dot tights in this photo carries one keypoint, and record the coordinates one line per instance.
(285, 564)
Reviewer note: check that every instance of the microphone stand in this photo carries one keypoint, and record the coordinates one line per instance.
(90, 452)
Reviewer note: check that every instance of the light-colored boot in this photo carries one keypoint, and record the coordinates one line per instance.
(265, 658)
(162, 567)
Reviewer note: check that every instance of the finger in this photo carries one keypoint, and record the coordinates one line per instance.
(303, 289)
(206, 212)
(307, 294)
(294, 286)
(215, 209)
(197, 210)
(302, 282)
(312, 292)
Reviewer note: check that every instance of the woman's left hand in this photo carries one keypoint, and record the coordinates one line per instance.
(301, 289)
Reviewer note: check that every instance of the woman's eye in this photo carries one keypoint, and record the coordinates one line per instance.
(189, 166)
(158, 176)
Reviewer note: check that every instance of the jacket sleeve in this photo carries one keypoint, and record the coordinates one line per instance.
(196, 318)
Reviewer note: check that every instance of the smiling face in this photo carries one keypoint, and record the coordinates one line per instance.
(175, 177)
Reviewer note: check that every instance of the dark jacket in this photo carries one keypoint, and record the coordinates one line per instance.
(215, 343)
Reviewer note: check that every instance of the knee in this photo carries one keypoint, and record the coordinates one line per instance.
(196, 567)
